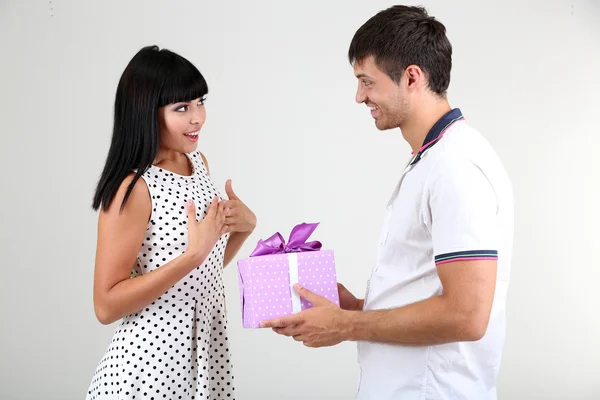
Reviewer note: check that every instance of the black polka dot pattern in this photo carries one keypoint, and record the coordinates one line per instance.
(177, 347)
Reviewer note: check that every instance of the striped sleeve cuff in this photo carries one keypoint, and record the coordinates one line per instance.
(466, 256)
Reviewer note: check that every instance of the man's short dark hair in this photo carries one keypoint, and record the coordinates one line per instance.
(401, 36)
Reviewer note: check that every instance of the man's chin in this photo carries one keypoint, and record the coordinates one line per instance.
(382, 126)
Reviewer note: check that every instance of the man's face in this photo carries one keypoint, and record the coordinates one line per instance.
(387, 101)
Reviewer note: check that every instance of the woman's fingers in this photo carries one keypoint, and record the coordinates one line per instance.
(225, 229)
(213, 208)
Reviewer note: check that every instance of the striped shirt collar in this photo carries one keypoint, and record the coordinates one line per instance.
(438, 130)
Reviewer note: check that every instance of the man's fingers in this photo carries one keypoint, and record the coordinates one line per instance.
(292, 330)
(306, 294)
(290, 320)
(299, 338)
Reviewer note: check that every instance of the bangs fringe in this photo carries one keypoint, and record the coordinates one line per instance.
(184, 84)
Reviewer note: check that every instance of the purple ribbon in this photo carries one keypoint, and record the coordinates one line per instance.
(296, 243)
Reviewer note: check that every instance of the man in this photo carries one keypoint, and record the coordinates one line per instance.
(433, 320)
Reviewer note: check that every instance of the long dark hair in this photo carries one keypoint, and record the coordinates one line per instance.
(152, 79)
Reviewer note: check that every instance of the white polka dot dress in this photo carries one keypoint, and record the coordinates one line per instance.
(177, 347)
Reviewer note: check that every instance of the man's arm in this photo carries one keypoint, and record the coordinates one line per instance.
(461, 313)
(460, 207)
(460, 210)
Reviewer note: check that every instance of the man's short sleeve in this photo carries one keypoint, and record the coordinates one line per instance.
(462, 211)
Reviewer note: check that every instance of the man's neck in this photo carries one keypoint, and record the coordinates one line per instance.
(422, 119)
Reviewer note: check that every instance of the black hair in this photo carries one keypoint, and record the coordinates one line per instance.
(405, 35)
(152, 79)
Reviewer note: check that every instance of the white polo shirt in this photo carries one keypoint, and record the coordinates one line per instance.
(453, 202)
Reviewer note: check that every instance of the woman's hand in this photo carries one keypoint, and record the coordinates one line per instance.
(203, 235)
(119, 236)
(239, 218)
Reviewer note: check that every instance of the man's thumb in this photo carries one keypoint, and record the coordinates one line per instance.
(229, 190)
(306, 294)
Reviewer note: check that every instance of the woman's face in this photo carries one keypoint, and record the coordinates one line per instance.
(180, 124)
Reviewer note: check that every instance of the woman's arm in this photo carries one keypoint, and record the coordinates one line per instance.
(120, 236)
(234, 244)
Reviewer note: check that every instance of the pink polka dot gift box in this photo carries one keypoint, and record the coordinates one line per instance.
(266, 278)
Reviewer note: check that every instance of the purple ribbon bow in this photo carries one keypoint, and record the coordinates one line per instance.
(297, 242)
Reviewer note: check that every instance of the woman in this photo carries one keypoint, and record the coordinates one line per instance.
(163, 241)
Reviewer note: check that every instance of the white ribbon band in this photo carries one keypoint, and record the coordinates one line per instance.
(293, 270)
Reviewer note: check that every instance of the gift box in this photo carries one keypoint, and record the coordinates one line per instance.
(267, 277)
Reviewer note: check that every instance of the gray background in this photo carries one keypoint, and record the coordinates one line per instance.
(283, 124)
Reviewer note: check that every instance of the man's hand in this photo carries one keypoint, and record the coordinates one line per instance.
(348, 301)
(239, 218)
(325, 324)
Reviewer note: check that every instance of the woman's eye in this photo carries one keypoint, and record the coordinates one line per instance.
(181, 109)
(202, 101)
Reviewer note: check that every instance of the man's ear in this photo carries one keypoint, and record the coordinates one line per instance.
(414, 76)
